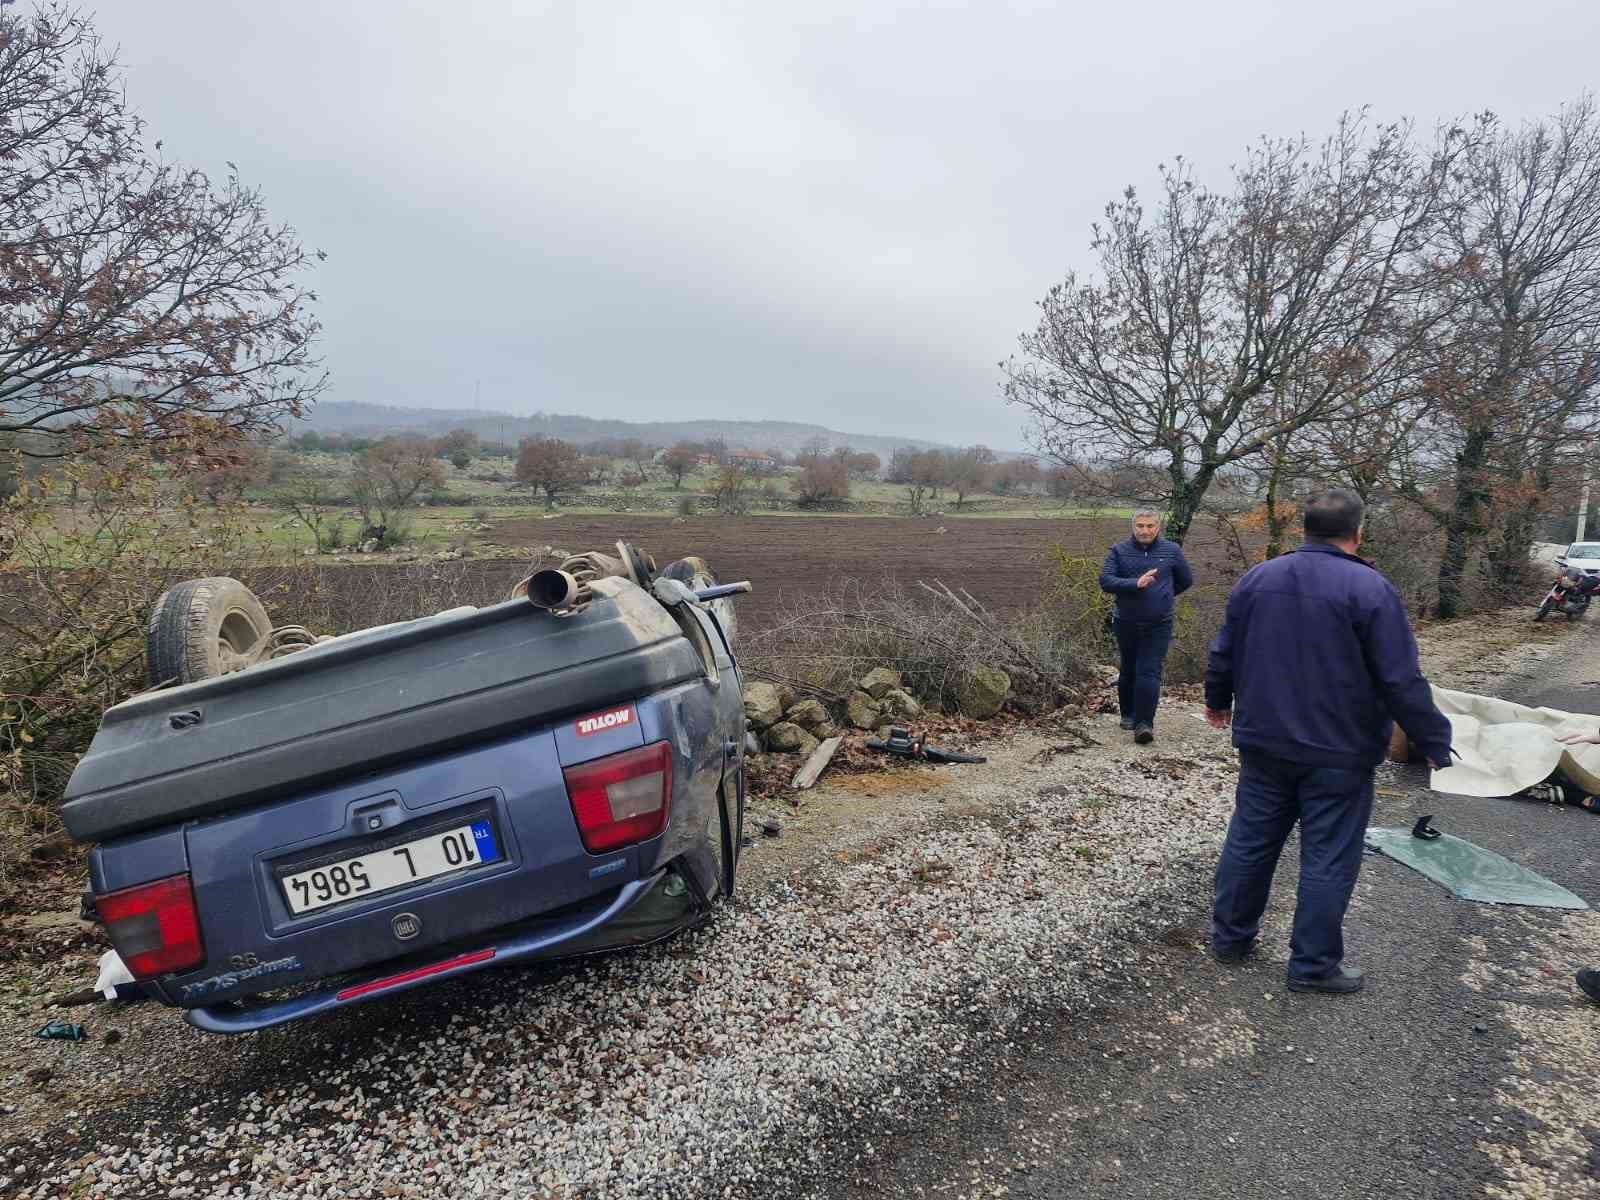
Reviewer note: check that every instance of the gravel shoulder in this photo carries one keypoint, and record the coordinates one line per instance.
(913, 944)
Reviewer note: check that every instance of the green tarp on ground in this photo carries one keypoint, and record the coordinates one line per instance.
(1471, 872)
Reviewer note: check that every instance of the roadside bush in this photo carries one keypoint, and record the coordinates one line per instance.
(397, 532)
(80, 579)
(934, 639)
(733, 490)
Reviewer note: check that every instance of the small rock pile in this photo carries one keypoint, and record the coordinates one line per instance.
(785, 724)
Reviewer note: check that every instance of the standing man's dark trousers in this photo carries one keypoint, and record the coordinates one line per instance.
(1332, 805)
(1144, 654)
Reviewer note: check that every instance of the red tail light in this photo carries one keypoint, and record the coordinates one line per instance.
(154, 926)
(623, 798)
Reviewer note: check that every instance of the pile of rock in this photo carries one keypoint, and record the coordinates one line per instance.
(879, 701)
(782, 723)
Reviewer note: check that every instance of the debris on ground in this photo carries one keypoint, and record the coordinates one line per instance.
(73, 999)
(1050, 753)
(902, 743)
(808, 775)
(62, 1031)
(115, 981)
(1469, 871)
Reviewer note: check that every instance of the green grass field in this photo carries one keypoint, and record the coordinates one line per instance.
(484, 494)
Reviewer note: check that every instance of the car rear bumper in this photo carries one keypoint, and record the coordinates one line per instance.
(545, 940)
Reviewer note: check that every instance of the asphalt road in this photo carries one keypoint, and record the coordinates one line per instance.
(1445, 1078)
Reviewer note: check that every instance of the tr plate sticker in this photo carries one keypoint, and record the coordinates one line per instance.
(616, 718)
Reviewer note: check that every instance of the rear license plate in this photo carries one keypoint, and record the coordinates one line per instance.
(382, 870)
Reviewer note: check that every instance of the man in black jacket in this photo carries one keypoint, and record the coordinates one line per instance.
(1314, 663)
(1146, 574)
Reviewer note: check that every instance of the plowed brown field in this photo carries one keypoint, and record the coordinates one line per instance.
(1002, 562)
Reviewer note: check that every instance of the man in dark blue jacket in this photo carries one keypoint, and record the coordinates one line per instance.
(1146, 574)
(1314, 662)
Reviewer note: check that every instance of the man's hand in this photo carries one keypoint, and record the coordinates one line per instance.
(1580, 739)
(1147, 578)
(1219, 718)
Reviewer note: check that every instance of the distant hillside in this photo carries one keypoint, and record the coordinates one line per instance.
(788, 436)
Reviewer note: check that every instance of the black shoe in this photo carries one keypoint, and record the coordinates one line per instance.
(1589, 984)
(1238, 952)
(1126, 722)
(1342, 981)
(1143, 734)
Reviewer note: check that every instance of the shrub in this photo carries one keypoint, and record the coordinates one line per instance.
(80, 579)
(828, 641)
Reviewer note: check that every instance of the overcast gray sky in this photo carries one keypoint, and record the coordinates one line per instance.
(840, 211)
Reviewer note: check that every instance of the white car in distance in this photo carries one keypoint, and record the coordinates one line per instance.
(1583, 557)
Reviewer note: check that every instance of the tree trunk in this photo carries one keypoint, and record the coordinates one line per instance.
(1509, 562)
(1274, 520)
(1187, 496)
(1462, 526)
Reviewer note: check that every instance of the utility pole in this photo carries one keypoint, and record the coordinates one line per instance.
(1583, 498)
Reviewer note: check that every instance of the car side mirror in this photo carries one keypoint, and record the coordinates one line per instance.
(1561, 560)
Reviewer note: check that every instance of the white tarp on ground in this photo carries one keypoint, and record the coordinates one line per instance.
(1502, 747)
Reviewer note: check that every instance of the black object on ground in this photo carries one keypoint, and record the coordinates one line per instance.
(1424, 830)
(1589, 983)
(902, 744)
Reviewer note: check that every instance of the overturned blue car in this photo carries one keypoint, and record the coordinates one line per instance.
(554, 775)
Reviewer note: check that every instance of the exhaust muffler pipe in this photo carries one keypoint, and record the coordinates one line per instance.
(552, 590)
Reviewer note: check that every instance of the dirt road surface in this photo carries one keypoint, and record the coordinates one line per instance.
(961, 982)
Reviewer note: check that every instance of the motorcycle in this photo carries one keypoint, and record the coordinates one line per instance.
(1570, 594)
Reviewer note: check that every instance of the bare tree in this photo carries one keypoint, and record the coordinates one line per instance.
(551, 466)
(732, 487)
(638, 453)
(313, 502)
(1522, 239)
(1305, 270)
(679, 461)
(142, 301)
(969, 471)
(388, 477)
(823, 478)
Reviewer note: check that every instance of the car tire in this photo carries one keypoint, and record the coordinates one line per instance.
(203, 628)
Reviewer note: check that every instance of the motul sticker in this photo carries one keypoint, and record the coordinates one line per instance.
(617, 718)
